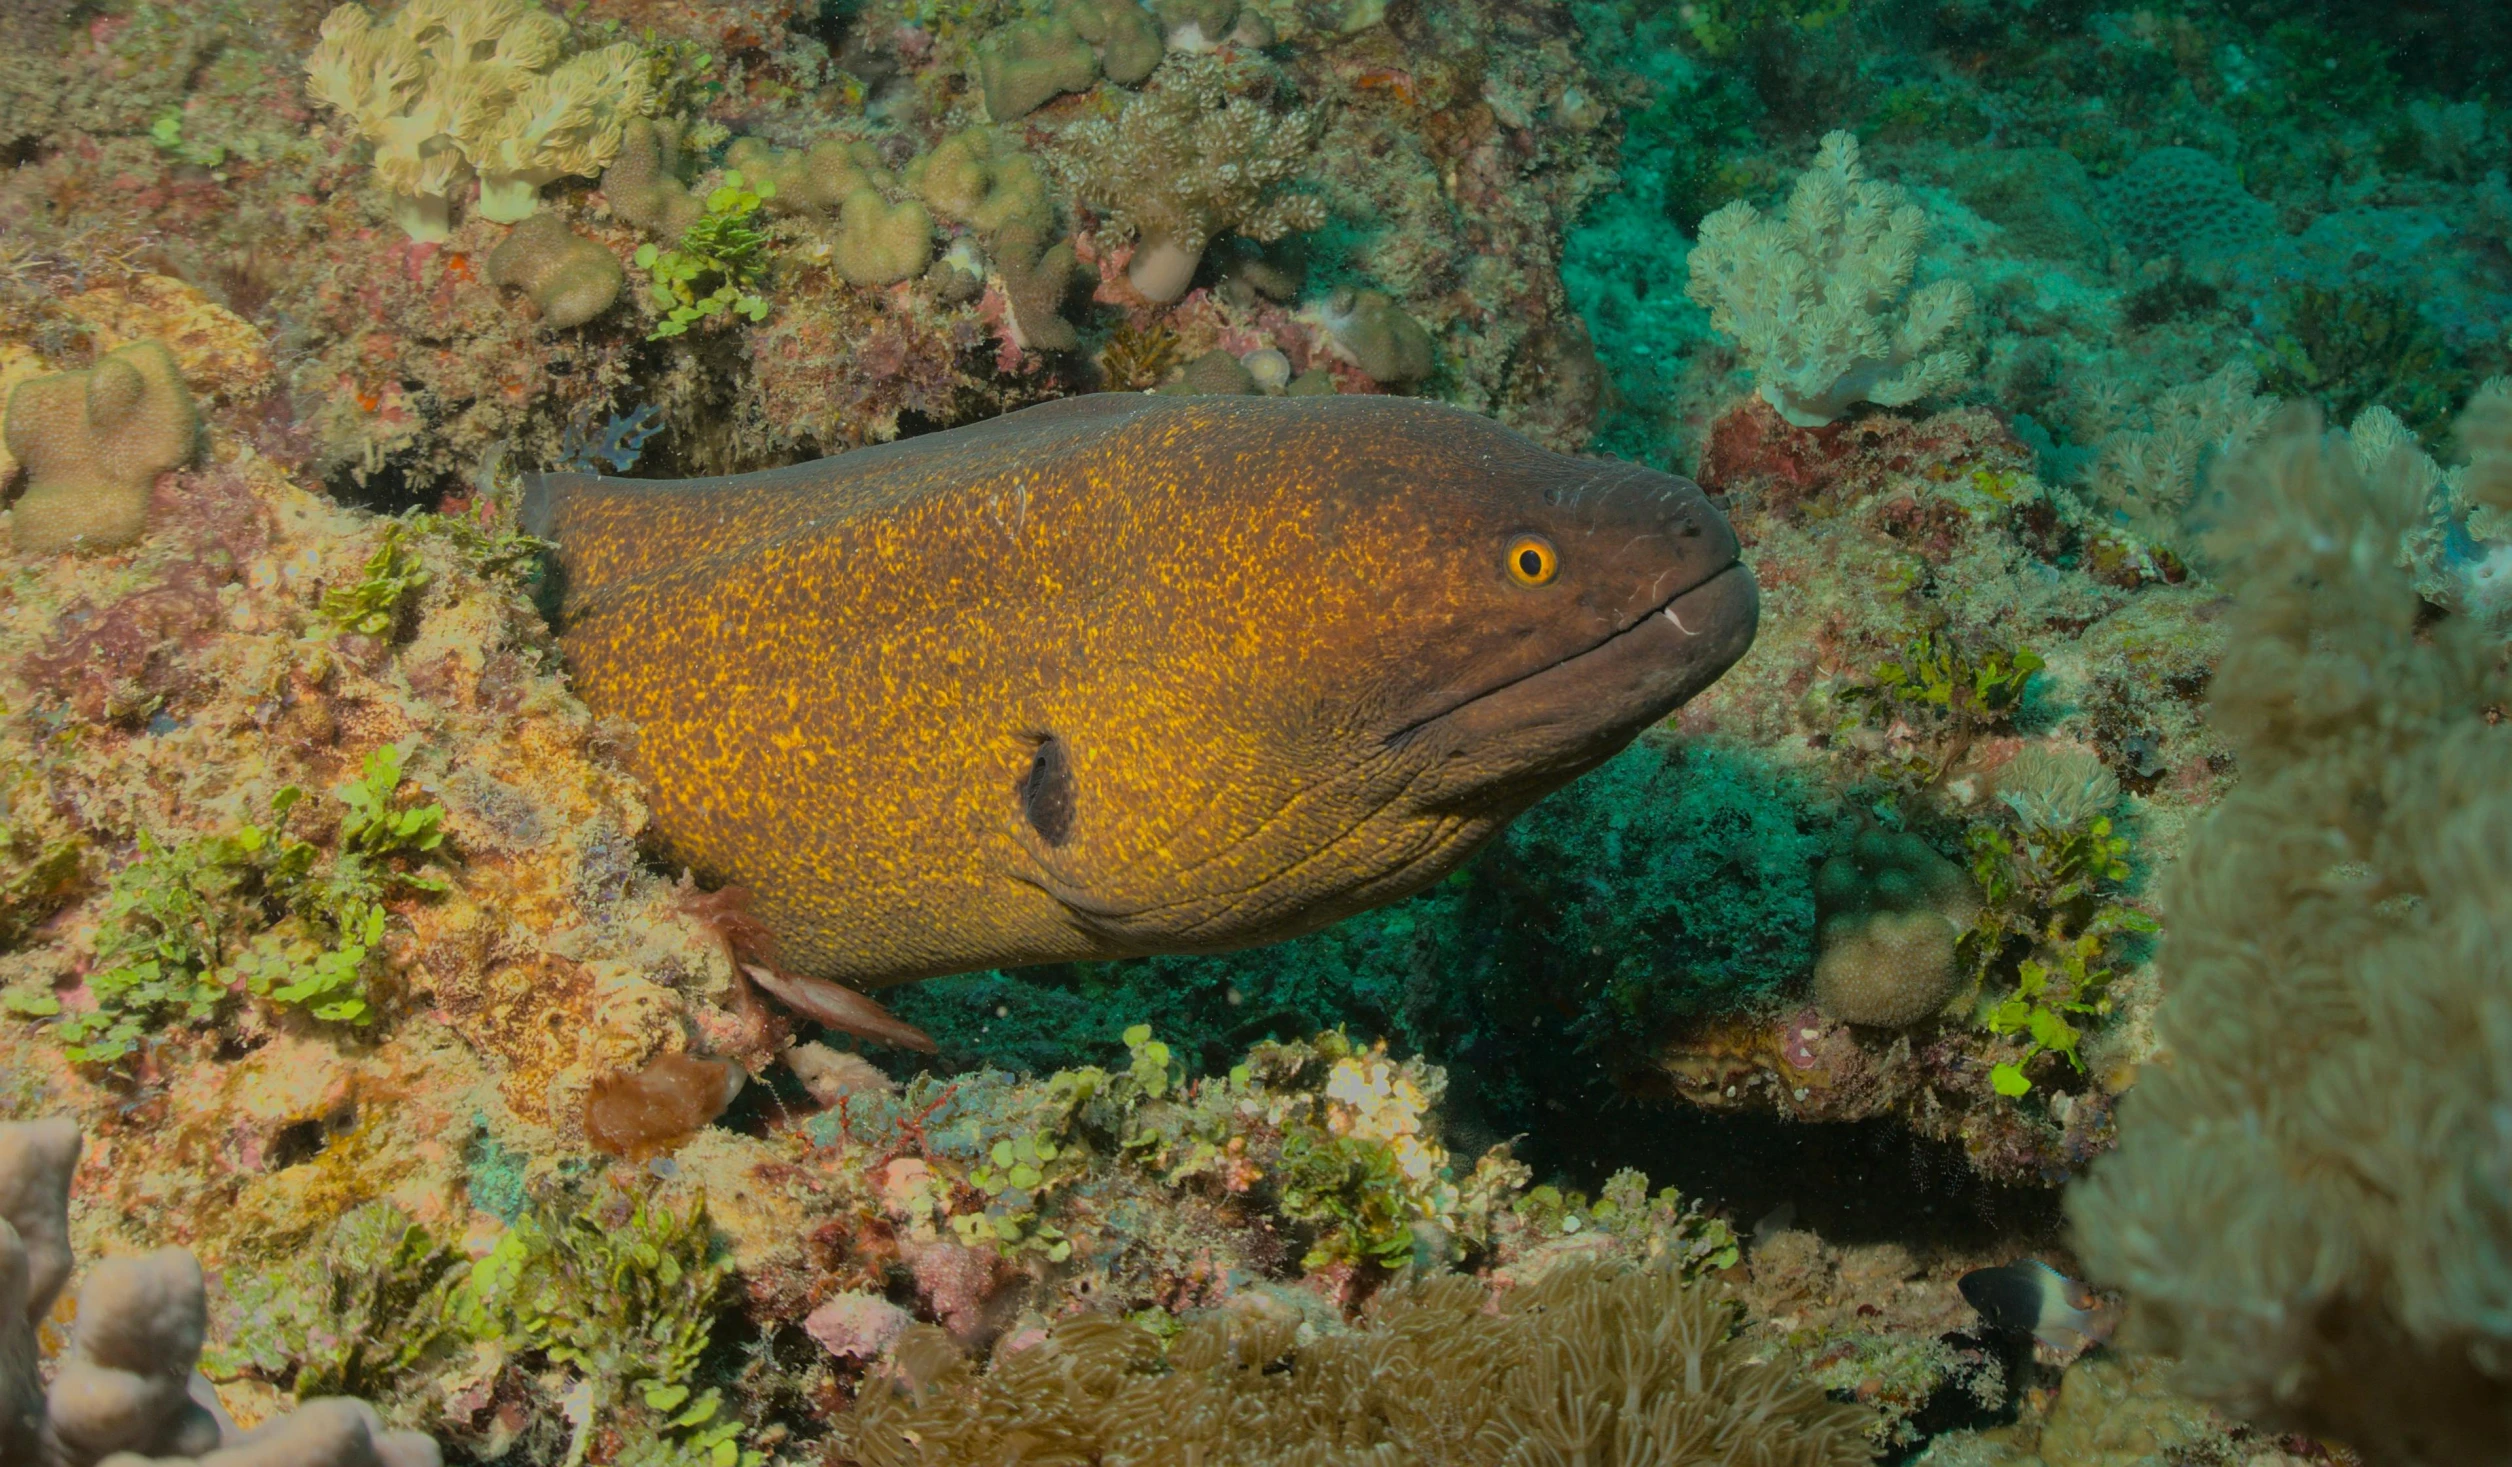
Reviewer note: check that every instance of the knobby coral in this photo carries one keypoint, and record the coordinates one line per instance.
(1592, 1364)
(1187, 161)
(1815, 299)
(128, 1387)
(93, 444)
(2309, 1204)
(452, 89)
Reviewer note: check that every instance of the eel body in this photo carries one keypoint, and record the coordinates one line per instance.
(1127, 674)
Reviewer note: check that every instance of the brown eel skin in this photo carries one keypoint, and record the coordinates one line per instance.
(1127, 674)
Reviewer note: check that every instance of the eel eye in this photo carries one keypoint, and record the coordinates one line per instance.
(1532, 560)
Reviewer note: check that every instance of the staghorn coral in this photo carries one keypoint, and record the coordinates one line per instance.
(1184, 162)
(1818, 300)
(1591, 1363)
(93, 444)
(127, 1387)
(2307, 1205)
(449, 90)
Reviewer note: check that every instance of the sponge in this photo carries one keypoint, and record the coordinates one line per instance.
(571, 278)
(93, 444)
(1889, 912)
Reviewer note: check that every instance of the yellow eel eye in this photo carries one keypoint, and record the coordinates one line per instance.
(1532, 560)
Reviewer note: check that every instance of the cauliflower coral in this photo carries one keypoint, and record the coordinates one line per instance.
(1814, 299)
(1185, 162)
(450, 90)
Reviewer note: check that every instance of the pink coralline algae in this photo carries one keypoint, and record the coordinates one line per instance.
(1804, 1030)
(856, 1325)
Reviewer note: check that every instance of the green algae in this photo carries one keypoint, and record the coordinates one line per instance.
(1673, 882)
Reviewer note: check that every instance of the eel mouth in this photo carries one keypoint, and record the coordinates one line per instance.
(1662, 657)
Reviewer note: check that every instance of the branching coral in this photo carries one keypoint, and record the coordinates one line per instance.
(1187, 161)
(1818, 301)
(2309, 1203)
(1590, 1364)
(452, 89)
(2148, 468)
(127, 1387)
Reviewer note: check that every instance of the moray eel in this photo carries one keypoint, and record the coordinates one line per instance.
(1127, 674)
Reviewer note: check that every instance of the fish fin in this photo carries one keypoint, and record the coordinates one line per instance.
(613, 531)
(841, 1008)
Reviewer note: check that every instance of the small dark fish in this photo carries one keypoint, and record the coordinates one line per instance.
(2030, 1297)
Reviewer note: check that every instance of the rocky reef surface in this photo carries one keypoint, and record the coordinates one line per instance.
(323, 912)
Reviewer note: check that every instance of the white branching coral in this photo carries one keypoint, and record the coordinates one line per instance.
(2310, 1205)
(1185, 162)
(1815, 299)
(2148, 465)
(449, 90)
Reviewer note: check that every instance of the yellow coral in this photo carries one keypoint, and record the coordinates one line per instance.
(1590, 1364)
(453, 89)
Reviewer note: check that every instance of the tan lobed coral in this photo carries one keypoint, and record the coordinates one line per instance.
(1818, 300)
(571, 278)
(449, 90)
(1590, 1363)
(128, 1388)
(1890, 911)
(2309, 1203)
(93, 444)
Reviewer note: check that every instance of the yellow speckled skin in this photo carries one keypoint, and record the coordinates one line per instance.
(1126, 674)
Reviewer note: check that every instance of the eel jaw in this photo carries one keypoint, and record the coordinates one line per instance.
(1534, 734)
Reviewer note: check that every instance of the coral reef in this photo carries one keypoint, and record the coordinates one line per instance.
(1185, 162)
(1819, 300)
(323, 908)
(1589, 1363)
(570, 278)
(2273, 1224)
(474, 89)
(127, 1387)
(1890, 911)
(93, 443)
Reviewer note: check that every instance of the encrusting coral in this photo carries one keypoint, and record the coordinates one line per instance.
(1591, 1363)
(450, 90)
(2308, 1203)
(1818, 300)
(1890, 911)
(571, 278)
(93, 444)
(127, 1392)
(643, 182)
(1373, 333)
(1023, 66)
(1187, 161)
